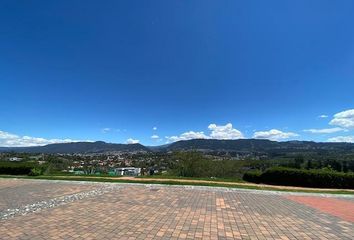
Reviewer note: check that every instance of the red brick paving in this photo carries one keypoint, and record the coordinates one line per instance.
(343, 209)
(166, 212)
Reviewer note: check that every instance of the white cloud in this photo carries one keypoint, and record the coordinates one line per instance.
(342, 139)
(224, 132)
(132, 141)
(217, 132)
(274, 134)
(106, 130)
(154, 128)
(344, 119)
(323, 116)
(187, 136)
(9, 136)
(325, 130)
(13, 140)
(155, 136)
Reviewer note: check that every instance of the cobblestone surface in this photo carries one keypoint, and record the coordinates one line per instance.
(130, 211)
(19, 192)
(54, 202)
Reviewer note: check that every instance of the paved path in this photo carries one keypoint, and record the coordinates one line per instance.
(78, 210)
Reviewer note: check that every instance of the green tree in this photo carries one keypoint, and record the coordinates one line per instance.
(309, 164)
(299, 160)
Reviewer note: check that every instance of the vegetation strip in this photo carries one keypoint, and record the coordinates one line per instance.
(194, 183)
(302, 178)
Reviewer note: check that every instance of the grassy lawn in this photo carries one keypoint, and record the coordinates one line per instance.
(193, 178)
(14, 176)
(143, 180)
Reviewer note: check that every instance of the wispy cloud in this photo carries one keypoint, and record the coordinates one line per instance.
(132, 141)
(155, 136)
(323, 116)
(13, 140)
(106, 130)
(187, 136)
(274, 134)
(349, 139)
(325, 130)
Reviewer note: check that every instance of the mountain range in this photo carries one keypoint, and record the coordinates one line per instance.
(239, 145)
(79, 147)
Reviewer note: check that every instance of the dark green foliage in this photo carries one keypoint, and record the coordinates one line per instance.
(334, 164)
(16, 168)
(194, 164)
(345, 167)
(258, 145)
(299, 160)
(36, 171)
(252, 176)
(305, 178)
(309, 164)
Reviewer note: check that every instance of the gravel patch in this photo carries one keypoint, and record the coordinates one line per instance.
(155, 187)
(204, 188)
(51, 203)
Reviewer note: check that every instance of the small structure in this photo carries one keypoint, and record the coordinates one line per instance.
(128, 171)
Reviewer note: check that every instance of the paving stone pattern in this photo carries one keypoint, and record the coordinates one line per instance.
(16, 192)
(132, 211)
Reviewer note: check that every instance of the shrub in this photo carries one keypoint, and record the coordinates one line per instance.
(15, 168)
(35, 172)
(252, 176)
(194, 164)
(305, 178)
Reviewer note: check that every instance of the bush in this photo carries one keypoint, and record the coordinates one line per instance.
(194, 164)
(305, 178)
(35, 172)
(16, 168)
(252, 176)
(308, 178)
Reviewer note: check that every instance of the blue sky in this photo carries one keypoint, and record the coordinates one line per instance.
(113, 70)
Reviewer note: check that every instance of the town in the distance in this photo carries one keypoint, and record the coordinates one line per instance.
(204, 158)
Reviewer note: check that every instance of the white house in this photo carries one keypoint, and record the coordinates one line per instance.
(129, 171)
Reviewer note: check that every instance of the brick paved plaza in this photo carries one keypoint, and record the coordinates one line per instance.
(37, 209)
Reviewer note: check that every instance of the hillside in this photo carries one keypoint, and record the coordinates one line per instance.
(80, 147)
(256, 145)
(240, 145)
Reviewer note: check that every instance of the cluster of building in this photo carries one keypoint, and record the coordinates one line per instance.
(114, 164)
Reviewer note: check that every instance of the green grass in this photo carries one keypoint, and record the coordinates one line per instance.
(83, 175)
(13, 176)
(167, 182)
(236, 180)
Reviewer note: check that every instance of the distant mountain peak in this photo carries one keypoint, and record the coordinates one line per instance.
(238, 145)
